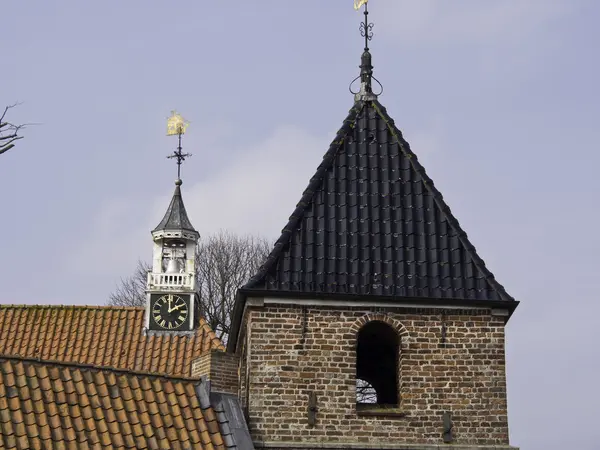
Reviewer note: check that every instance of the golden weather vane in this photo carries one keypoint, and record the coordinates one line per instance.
(176, 126)
(359, 3)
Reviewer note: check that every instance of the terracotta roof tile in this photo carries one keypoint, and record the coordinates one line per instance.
(100, 336)
(95, 407)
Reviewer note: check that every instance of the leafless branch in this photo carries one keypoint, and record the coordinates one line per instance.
(131, 291)
(225, 262)
(365, 393)
(8, 131)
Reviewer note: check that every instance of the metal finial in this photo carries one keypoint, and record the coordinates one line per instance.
(176, 125)
(366, 67)
(366, 28)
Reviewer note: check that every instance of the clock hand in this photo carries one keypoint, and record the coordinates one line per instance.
(175, 308)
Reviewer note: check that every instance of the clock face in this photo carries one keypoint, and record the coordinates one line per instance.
(170, 311)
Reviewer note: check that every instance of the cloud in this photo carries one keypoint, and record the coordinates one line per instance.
(258, 190)
(251, 190)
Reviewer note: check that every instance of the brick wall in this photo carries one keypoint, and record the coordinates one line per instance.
(288, 352)
(220, 368)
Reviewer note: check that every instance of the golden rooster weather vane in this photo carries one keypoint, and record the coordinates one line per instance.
(359, 3)
(176, 126)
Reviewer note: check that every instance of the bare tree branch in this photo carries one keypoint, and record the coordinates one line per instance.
(131, 291)
(225, 262)
(365, 393)
(8, 131)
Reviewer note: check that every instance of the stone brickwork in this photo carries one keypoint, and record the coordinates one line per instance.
(220, 368)
(289, 351)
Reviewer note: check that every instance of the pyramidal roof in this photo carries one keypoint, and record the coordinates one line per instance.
(176, 217)
(372, 223)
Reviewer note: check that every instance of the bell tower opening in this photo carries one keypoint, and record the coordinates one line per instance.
(173, 256)
(377, 361)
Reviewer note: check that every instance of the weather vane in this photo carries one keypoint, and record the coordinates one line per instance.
(176, 126)
(366, 67)
(366, 28)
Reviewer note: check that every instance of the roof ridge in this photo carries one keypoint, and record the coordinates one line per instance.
(93, 367)
(307, 195)
(103, 307)
(439, 199)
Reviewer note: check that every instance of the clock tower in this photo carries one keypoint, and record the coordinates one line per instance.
(172, 295)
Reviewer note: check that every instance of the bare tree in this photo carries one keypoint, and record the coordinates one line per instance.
(365, 393)
(131, 291)
(224, 262)
(9, 132)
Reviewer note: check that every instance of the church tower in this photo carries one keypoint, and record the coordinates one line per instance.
(171, 287)
(374, 322)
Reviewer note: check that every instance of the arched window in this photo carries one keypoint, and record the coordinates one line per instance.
(377, 354)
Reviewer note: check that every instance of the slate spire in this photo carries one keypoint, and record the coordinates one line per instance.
(176, 217)
(372, 223)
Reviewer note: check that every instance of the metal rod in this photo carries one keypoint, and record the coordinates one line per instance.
(366, 26)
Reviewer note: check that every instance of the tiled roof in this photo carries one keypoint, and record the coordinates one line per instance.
(372, 223)
(48, 405)
(102, 336)
(176, 217)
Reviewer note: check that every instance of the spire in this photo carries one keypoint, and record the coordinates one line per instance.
(176, 217)
(366, 65)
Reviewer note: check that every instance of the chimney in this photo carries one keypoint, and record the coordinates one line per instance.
(220, 369)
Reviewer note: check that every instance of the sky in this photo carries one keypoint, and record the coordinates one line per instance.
(499, 100)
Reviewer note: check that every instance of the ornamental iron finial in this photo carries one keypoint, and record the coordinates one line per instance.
(366, 28)
(176, 126)
(366, 66)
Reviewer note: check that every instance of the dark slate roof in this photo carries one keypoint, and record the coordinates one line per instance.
(176, 217)
(372, 223)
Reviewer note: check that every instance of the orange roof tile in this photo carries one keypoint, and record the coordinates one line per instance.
(95, 407)
(101, 336)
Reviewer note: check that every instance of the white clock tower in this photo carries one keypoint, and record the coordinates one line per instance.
(171, 286)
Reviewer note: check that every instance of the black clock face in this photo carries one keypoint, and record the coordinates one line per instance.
(170, 311)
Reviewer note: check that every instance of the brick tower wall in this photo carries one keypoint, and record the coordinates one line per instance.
(289, 351)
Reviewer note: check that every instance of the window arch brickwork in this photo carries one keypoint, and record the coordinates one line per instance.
(395, 324)
(387, 385)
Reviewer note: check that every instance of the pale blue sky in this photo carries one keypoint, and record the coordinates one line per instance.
(498, 98)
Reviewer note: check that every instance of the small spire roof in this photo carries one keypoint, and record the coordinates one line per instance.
(176, 217)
